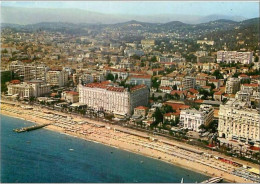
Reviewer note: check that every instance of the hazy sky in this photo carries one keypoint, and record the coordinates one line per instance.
(245, 9)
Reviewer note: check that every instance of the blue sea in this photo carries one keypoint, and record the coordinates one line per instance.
(44, 156)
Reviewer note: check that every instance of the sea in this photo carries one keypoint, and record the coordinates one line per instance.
(44, 156)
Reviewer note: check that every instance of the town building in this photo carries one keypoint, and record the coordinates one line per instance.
(57, 77)
(207, 42)
(232, 85)
(141, 111)
(192, 119)
(237, 121)
(70, 96)
(28, 71)
(188, 83)
(234, 56)
(113, 99)
(33, 88)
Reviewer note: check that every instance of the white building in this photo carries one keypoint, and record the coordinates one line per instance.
(239, 122)
(234, 56)
(165, 81)
(29, 71)
(192, 119)
(57, 78)
(116, 100)
(188, 83)
(34, 88)
(232, 85)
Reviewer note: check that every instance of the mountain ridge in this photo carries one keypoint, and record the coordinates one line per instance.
(16, 15)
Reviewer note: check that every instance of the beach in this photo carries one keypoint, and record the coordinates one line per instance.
(169, 151)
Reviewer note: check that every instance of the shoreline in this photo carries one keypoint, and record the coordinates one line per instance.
(137, 149)
(127, 150)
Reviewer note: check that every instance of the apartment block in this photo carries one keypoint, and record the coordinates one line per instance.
(57, 77)
(188, 83)
(232, 85)
(234, 56)
(29, 71)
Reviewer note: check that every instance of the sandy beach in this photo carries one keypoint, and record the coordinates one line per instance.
(170, 151)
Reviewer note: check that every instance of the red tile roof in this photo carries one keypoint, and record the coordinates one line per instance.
(198, 101)
(177, 106)
(165, 88)
(15, 81)
(142, 108)
(218, 93)
(138, 87)
(72, 93)
(116, 89)
(179, 92)
(194, 91)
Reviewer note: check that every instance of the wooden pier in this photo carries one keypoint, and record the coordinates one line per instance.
(26, 129)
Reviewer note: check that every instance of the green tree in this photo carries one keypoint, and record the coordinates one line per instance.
(217, 74)
(4, 51)
(153, 59)
(110, 77)
(158, 116)
(167, 108)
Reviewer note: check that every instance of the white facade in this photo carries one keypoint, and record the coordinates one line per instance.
(238, 122)
(117, 100)
(232, 85)
(234, 56)
(169, 82)
(191, 118)
(29, 89)
(29, 71)
(57, 78)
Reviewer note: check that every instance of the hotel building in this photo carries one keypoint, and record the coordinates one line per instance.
(33, 88)
(192, 119)
(113, 99)
(237, 121)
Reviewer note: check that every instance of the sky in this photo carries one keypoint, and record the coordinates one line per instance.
(231, 8)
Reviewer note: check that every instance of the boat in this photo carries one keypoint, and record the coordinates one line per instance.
(181, 180)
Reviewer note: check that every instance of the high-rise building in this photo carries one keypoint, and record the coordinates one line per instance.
(237, 121)
(188, 83)
(232, 85)
(29, 71)
(57, 77)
